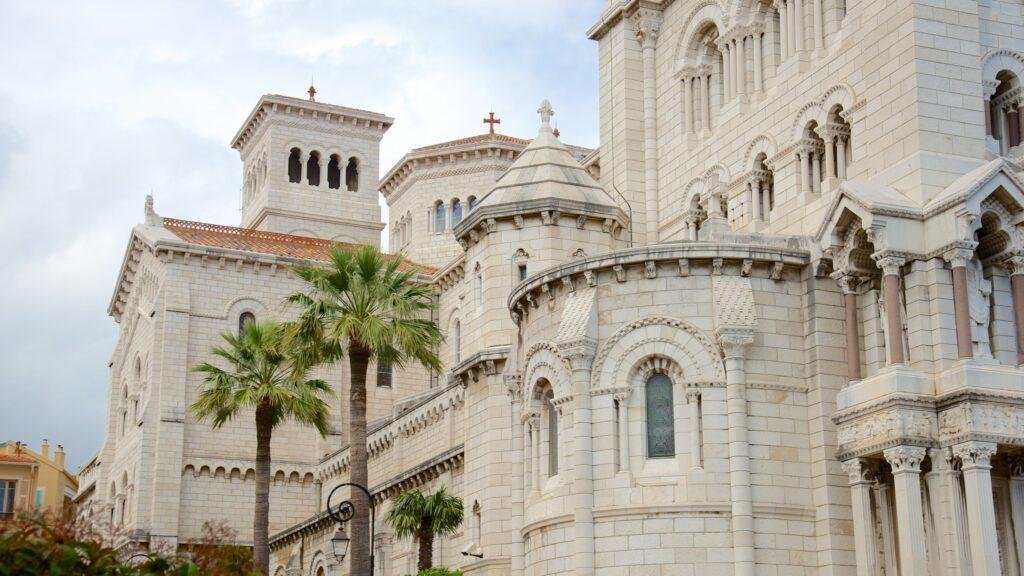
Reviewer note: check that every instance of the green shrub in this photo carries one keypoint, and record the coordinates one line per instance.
(436, 571)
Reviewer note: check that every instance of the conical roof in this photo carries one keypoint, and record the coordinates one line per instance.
(547, 170)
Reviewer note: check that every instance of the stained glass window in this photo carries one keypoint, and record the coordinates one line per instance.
(661, 441)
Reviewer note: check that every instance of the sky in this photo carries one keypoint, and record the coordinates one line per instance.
(102, 103)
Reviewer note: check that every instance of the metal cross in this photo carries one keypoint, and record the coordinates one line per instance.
(492, 121)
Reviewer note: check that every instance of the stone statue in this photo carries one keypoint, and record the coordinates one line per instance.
(979, 296)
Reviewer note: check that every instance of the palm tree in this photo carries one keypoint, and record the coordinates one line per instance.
(365, 305)
(266, 376)
(425, 516)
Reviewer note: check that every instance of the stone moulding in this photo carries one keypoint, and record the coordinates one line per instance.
(764, 258)
(381, 438)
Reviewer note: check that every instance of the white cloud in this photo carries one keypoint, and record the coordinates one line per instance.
(102, 102)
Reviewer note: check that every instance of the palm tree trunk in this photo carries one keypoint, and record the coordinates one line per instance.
(261, 516)
(426, 558)
(359, 548)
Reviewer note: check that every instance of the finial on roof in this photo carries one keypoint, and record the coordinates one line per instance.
(152, 218)
(492, 121)
(546, 112)
(312, 92)
(556, 132)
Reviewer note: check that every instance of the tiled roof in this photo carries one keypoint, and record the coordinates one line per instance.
(262, 242)
(474, 140)
(18, 458)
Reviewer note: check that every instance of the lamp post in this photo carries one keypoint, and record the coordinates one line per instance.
(342, 513)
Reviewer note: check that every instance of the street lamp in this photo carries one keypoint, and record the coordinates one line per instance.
(344, 512)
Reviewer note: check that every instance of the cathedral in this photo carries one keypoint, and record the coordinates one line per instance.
(773, 325)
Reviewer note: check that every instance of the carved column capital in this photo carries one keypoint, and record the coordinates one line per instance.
(1016, 466)
(692, 393)
(905, 458)
(647, 26)
(1014, 264)
(513, 386)
(959, 256)
(734, 341)
(890, 265)
(974, 454)
(580, 353)
(847, 282)
(861, 471)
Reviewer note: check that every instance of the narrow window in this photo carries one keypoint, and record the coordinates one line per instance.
(313, 169)
(294, 166)
(334, 172)
(383, 374)
(522, 272)
(439, 217)
(456, 212)
(660, 419)
(552, 435)
(243, 319)
(472, 202)
(352, 175)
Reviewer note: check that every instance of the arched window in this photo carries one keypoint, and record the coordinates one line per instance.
(352, 175)
(456, 212)
(661, 433)
(294, 166)
(243, 319)
(809, 155)
(552, 425)
(124, 410)
(313, 169)
(472, 202)
(761, 188)
(1005, 113)
(334, 172)
(438, 217)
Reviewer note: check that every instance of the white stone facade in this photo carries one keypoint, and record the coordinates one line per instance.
(780, 333)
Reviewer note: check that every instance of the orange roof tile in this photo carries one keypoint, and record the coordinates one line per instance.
(263, 242)
(21, 458)
(472, 140)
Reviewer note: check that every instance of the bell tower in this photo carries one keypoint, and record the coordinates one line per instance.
(310, 169)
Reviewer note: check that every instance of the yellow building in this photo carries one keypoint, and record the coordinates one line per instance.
(33, 481)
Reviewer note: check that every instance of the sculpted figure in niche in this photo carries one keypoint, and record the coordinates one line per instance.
(979, 292)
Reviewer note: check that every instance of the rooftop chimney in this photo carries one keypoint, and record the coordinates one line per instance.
(44, 450)
(58, 457)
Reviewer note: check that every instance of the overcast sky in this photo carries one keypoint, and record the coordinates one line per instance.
(101, 103)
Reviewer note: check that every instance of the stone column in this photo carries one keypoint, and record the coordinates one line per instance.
(889, 554)
(975, 458)
(841, 157)
(758, 40)
(861, 478)
(755, 187)
(623, 401)
(798, 25)
(890, 266)
(1020, 123)
(518, 495)
(741, 65)
(988, 116)
(1015, 265)
(943, 467)
(303, 160)
(791, 12)
(958, 258)
(734, 343)
(581, 356)
(323, 172)
(816, 172)
(1012, 127)
(783, 28)
(693, 406)
(803, 182)
(830, 153)
(819, 26)
(534, 424)
(848, 284)
(707, 103)
(906, 473)
(646, 25)
(725, 49)
(688, 105)
(1017, 505)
